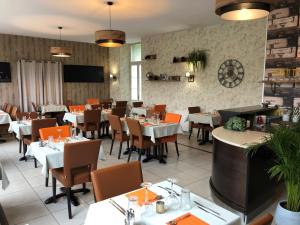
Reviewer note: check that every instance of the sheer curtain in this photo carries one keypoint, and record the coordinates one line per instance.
(39, 82)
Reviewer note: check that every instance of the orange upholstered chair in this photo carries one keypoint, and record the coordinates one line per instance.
(160, 110)
(74, 108)
(93, 101)
(54, 132)
(171, 118)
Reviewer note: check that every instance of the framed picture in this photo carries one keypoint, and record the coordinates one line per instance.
(5, 74)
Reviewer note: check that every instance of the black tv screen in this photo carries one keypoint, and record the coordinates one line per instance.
(5, 75)
(83, 74)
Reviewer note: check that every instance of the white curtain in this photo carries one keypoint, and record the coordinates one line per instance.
(39, 82)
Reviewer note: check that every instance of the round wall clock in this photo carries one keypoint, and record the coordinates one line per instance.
(231, 73)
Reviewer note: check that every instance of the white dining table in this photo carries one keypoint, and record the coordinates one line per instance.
(4, 118)
(211, 119)
(154, 130)
(146, 111)
(52, 157)
(20, 128)
(78, 117)
(106, 214)
(53, 108)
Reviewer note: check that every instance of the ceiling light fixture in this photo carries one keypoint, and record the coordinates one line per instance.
(62, 52)
(110, 38)
(242, 10)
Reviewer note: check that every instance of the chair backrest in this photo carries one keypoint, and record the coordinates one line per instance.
(92, 101)
(55, 132)
(106, 103)
(4, 106)
(160, 108)
(172, 118)
(96, 106)
(137, 104)
(34, 107)
(115, 180)
(115, 124)
(119, 111)
(80, 157)
(28, 115)
(8, 109)
(68, 103)
(264, 220)
(121, 104)
(38, 124)
(74, 108)
(92, 117)
(14, 112)
(194, 109)
(135, 130)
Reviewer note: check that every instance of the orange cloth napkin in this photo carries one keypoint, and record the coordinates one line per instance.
(189, 219)
(147, 124)
(141, 196)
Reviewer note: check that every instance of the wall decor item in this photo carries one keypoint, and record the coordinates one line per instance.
(5, 75)
(198, 59)
(281, 78)
(110, 38)
(150, 57)
(231, 73)
(242, 10)
(59, 51)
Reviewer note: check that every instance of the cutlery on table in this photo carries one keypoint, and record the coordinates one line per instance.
(117, 206)
(197, 203)
(203, 209)
(169, 190)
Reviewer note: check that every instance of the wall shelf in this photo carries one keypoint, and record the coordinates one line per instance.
(150, 57)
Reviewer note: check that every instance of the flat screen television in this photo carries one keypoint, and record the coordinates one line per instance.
(5, 75)
(83, 74)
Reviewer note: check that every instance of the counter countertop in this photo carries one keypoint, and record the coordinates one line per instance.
(239, 139)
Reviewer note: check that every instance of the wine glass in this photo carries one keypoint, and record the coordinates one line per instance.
(172, 202)
(148, 206)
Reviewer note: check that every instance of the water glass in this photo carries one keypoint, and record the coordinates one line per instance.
(185, 201)
(133, 205)
(148, 206)
(50, 141)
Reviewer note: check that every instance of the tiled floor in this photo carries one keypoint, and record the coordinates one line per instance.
(23, 199)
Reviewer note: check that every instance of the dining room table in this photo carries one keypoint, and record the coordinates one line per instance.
(142, 111)
(52, 108)
(4, 120)
(207, 119)
(200, 211)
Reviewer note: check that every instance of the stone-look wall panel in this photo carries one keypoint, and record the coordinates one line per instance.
(14, 48)
(244, 41)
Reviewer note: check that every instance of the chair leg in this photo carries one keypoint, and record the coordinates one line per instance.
(54, 189)
(127, 144)
(35, 162)
(191, 131)
(47, 181)
(93, 134)
(198, 133)
(176, 145)
(112, 145)
(120, 149)
(68, 191)
(129, 154)
(166, 146)
(140, 153)
(20, 146)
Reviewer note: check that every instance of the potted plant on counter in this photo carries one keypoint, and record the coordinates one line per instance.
(284, 142)
(198, 59)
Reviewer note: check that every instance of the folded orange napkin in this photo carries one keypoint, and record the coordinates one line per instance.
(147, 124)
(189, 219)
(141, 196)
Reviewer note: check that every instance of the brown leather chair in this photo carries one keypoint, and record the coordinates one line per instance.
(8, 109)
(117, 133)
(96, 106)
(27, 115)
(91, 122)
(192, 110)
(120, 111)
(14, 111)
(4, 106)
(121, 104)
(106, 103)
(264, 220)
(137, 104)
(137, 139)
(68, 103)
(115, 180)
(160, 110)
(80, 159)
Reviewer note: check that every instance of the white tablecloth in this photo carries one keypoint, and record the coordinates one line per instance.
(20, 128)
(158, 131)
(54, 158)
(106, 214)
(141, 111)
(77, 118)
(53, 108)
(4, 118)
(205, 118)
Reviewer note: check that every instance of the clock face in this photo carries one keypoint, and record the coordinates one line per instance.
(231, 73)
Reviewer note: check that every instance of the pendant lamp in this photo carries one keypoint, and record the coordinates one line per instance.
(62, 52)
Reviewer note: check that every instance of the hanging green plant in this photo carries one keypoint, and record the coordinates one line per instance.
(198, 59)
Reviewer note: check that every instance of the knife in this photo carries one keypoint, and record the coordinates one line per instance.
(211, 213)
(117, 206)
(207, 208)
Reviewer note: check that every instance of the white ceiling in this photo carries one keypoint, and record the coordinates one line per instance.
(81, 18)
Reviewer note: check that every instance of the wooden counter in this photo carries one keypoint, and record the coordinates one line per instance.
(240, 180)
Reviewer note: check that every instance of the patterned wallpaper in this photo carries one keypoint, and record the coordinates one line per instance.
(244, 41)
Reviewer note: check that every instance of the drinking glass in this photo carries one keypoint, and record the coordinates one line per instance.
(59, 131)
(50, 141)
(133, 205)
(148, 206)
(24, 118)
(172, 202)
(185, 201)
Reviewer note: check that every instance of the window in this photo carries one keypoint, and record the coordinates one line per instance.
(136, 72)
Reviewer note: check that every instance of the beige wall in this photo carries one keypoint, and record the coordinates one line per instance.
(13, 48)
(244, 41)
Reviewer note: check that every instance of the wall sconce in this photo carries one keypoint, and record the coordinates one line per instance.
(112, 77)
(190, 77)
